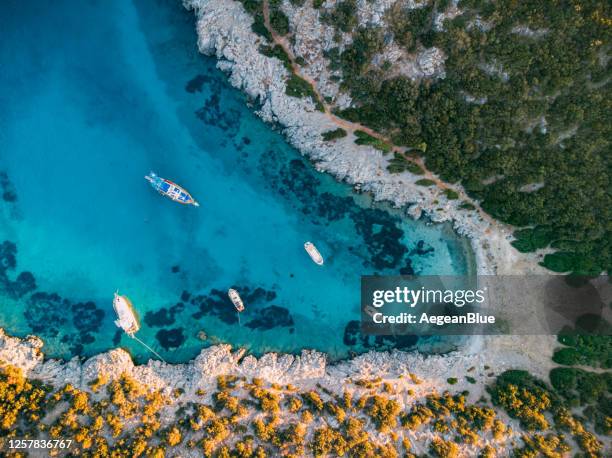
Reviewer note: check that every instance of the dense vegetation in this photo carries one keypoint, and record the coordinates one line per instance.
(585, 350)
(540, 409)
(521, 118)
(254, 419)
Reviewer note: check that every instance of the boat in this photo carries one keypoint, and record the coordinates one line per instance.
(313, 253)
(126, 316)
(126, 320)
(236, 299)
(171, 190)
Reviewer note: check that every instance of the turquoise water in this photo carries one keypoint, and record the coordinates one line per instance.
(92, 97)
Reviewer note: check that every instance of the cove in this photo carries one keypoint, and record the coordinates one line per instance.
(94, 97)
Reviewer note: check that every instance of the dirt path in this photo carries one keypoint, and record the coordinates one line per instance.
(353, 126)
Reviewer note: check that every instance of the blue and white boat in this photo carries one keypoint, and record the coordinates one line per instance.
(171, 190)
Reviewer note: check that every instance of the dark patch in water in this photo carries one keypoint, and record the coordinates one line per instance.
(160, 318)
(421, 249)
(175, 269)
(170, 338)
(24, 284)
(164, 316)
(9, 193)
(185, 296)
(271, 317)
(407, 269)
(351, 333)
(86, 317)
(353, 338)
(8, 259)
(117, 337)
(382, 236)
(46, 313)
(25, 281)
(195, 84)
(213, 115)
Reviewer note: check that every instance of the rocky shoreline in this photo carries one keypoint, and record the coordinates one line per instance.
(304, 371)
(413, 376)
(224, 31)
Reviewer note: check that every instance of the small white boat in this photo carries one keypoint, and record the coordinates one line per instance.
(313, 253)
(126, 317)
(236, 299)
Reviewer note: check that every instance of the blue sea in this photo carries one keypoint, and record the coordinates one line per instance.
(93, 96)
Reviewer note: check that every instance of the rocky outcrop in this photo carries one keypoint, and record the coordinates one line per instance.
(202, 371)
(304, 370)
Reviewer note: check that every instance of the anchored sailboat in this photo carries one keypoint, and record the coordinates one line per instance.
(313, 253)
(236, 299)
(171, 190)
(126, 319)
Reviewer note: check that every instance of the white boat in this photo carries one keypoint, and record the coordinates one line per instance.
(236, 299)
(313, 253)
(126, 317)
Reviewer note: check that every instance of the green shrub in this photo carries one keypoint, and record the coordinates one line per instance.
(383, 412)
(299, 87)
(401, 163)
(467, 206)
(452, 380)
(343, 16)
(278, 52)
(425, 182)
(450, 194)
(583, 349)
(363, 138)
(443, 449)
(524, 397)
(279, 21)
(334, 134)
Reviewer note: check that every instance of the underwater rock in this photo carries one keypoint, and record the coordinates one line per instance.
(25, 281)
(86, 317)
(271, 317)
(421, 249)
(8, 251)
(351, 333)
(218, 304)
(46, 313)
(195, 84)
(170, 338)
(9, 194)
(160, 318)
(407, 269)
(24, 284)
